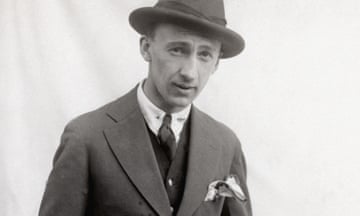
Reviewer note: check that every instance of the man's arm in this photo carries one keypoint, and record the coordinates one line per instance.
(67, 187)
(233, 207)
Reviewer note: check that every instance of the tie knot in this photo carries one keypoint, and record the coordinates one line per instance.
(167, 120)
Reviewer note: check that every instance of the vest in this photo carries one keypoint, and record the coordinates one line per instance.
(173, 173)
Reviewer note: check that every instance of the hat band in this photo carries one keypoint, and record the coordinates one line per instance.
(172, 5)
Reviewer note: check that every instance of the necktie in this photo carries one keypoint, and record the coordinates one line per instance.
(167, 138)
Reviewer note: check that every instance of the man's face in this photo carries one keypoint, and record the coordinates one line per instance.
(180, 64)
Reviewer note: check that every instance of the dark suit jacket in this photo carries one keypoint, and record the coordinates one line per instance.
(105, 166)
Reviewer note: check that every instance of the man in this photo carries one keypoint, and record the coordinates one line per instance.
(152, 152)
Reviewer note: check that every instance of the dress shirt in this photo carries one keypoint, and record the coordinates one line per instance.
(154, 115)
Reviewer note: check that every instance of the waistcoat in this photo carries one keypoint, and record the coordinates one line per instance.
(173, 172)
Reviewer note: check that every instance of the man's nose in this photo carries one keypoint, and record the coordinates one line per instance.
(190, 68)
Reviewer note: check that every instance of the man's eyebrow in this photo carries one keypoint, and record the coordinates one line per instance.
(176, 43)
(208, 47)
(185, 44)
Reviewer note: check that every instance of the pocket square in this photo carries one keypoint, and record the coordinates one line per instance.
(227, 188)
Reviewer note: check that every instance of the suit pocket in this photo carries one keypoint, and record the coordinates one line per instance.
(210, 208)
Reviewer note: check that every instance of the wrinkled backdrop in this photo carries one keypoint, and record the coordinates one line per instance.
(292, 97)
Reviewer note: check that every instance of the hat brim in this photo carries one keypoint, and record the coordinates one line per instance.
(143, 18)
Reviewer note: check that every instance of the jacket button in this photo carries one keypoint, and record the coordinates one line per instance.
(171, 209)
(170, 182)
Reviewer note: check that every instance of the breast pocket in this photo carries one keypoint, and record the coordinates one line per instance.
(210, 208)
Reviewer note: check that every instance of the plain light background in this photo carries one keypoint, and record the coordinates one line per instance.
(292, 96)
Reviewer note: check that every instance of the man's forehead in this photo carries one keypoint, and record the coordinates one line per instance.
(172, 31)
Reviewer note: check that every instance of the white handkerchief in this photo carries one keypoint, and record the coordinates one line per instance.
(227, 188)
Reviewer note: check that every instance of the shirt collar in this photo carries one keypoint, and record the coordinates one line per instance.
(154, 115)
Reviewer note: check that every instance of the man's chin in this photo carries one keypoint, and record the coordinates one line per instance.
(178, 104)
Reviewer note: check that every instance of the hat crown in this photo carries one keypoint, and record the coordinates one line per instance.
(212, 10)
(205, 16)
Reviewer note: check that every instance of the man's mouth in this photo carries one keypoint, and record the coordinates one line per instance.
(184, 86)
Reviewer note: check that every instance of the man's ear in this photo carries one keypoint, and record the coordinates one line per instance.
(144, 48)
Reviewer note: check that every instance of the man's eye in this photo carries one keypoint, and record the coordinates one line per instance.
(177, 51)
(205, 55)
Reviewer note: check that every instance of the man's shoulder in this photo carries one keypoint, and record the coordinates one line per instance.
(106, 115)
(216, 127)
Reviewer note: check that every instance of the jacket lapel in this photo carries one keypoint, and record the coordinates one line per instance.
(203, 159)
(131, 145)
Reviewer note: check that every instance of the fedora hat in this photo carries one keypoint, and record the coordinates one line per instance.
(205, 16)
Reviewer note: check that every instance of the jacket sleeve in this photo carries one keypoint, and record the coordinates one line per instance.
(234, 207)
(67, 187)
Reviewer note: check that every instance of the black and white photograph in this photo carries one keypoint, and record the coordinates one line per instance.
(179, 108)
